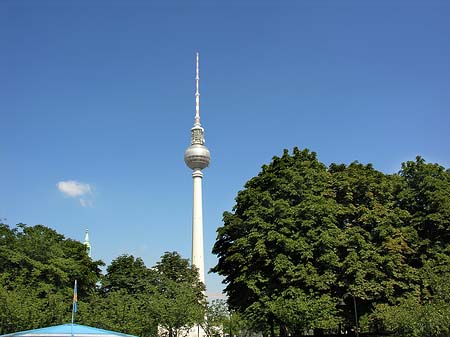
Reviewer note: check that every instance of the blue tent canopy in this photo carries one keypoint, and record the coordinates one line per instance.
(67, 330)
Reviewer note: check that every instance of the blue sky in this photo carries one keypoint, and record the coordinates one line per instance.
(102, 93)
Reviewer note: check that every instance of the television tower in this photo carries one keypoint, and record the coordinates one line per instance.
(197, 157)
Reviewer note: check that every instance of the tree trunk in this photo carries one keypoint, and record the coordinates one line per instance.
(283, 330)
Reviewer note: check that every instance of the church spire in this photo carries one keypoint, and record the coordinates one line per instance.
(87, 243)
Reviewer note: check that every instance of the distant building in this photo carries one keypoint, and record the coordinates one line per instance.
(87, 243)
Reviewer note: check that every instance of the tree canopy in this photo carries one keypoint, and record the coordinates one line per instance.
(302, 236)
(144, 301)
(38, 267)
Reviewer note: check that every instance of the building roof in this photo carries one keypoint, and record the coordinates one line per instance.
(67, 330)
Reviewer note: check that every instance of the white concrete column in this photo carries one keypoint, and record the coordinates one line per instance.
(197, 226)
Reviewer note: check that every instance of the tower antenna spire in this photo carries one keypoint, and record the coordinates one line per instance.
(197, 93)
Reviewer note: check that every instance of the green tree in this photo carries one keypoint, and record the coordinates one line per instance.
(302, 236)
(423, 192)
(22, 308)
(178, 302)
(281, 237)
(134, 299)
(374, 240)
(425, 195)
(120, 310)
(123, 298)
(37, 269)
(217, 318)
(126, 273)
(240, 325)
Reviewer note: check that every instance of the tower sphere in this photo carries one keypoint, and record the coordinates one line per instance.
(197, 157)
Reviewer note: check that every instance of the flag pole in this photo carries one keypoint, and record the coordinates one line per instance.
(75, 301)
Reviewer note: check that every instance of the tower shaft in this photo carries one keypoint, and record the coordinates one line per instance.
(197, 225)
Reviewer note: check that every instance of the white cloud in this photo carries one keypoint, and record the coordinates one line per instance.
(86, 202)
(73, 189)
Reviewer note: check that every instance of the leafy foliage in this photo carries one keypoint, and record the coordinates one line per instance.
(303, 235)
(146, 301)
(37, 269)
(179, 301)
(217, 318)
